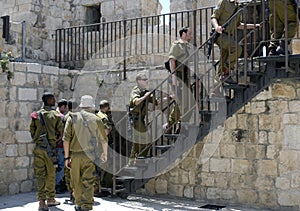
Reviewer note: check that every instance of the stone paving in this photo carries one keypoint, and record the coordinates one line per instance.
(27, 201)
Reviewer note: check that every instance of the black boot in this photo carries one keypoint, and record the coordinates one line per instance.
(280, 50)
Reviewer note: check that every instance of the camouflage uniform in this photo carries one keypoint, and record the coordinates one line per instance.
(81, 149)
(229, 49)
(43, 165)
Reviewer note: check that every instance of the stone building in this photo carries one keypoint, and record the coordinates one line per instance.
(252, 160)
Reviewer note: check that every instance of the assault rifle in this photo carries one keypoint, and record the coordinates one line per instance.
(51, 152)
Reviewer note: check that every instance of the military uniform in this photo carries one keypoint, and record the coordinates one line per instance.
(82, 154)
(179, 51)
(277, 22)
(140, 139)
(229, 49)
(43, 165)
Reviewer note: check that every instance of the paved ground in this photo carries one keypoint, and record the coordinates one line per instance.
(27, 201)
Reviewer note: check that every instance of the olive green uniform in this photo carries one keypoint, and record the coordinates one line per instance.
(82, 154)
(179, 51)
(277, 25)
(229, 49)
(140, 139)
(106, 177)
(43, 165)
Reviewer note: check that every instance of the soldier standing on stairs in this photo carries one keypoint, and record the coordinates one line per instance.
(139, 99)
(46, 128)
(229, 49)
(181, 80)
(277, 24)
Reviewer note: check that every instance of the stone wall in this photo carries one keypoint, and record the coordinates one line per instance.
(253, 159)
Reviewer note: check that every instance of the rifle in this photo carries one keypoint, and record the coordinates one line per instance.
(51, 152)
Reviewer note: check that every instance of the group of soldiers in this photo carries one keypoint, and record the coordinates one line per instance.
(68, 143)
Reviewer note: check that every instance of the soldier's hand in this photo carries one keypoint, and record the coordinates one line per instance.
(68, 163)
(104, 157)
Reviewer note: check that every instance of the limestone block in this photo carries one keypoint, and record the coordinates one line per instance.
(255, 152)
(278, 106)
(268, 198)
(240, 150)
(26, 186)
(188, 192)
(264, 183)
(228, 194)
(199, 192)
(3, 93)
(22, 162)
(23, 136)
(288, 162)
(25, 7)
(295, 182)
(19, 79)
(207, 179)
(19, 67)
(291, 134)
(213, 193)
(19, 174)
(150, 187)
(13, 188)
(242, 121)
(7, 136)
(271, 152)
(175, 190)
(220, 165)
(179, 176)
(30, 148)
(189, 163)
(3, 123)
(22, 150)
(294, 106)
(3, 188)
(275, 138)
(265, 122)
(290, 118)
(192, 177)
(258, 107)
(264, 95)
(262, 137)
(221, 180)
(51, 70)
(27, 94)
(267, 168)
(282, 183)
(34, 67)
(227, 150)
(161, 186)
(247, 196)
(231, 122)
(11, 150)
(289, 198)
(280, 90)
(13, 93)
(240, 166)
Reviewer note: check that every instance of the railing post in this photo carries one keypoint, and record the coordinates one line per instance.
(124, 51)
(23, 40)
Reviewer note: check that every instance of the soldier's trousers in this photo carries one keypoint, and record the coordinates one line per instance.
(277, 26)
(83, 177)
(44, 171)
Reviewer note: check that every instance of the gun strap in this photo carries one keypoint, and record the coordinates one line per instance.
(42, 121)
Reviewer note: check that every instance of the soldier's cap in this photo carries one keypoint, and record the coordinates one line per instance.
(46, 95)
(62, 102)
(87, 101)
(104, 103)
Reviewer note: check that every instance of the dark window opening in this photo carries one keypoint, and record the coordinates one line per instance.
(93, 16)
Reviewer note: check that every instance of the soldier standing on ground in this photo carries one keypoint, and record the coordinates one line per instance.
(46, 126)
(84, 133)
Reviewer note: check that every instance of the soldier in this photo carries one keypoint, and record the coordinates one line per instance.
(277, 24)
(139, 99)
(46, 128)
(83, 133)
(229, 49)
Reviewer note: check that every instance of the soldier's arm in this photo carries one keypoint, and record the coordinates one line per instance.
(32, 129)
(104, 140)
(67, 137)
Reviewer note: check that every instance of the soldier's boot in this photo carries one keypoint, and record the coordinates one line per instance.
(43, 206)
(272, 51)
(280, 50)
(226, 78)
(52, 202)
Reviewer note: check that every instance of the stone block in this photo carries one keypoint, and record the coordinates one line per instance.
(13, 93)
(11, 150)
(34, 68)
(23, 136)
(3, 189)
(22, 162)
(247, 196)
(258, 107)
(213, 193)
(20, 67)
(220, 165)
(33, 79)
(221, 180)
(22, 149)
(19, 79)
(27, 94)
(285, 91)
(51, 70)
(295, 182)
(267, 168)
(150, 187)
(288, 161)
(26, 186)
(3, 123)
(291, 134)
(265, 122)
(19, 174)
(240, 166)
(188, 192)
(264, 183)
(227, 150)
(228, 195)
(175, 190)
(268, 199)
(282, 183)
(290, 118)
(13, 188)
(231, 122)
(207, 179)
(271, 152)
(161, 186)
(289, 198)
(179, 177)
